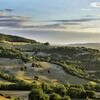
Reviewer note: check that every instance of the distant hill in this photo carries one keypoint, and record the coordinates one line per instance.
(87, 45)
(11, 38)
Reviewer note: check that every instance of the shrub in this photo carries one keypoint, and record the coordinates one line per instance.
(55, 96)
(37, 94)
(90, 94)
(61, 90)
(75, 92)
(46, 88)
(66, 98)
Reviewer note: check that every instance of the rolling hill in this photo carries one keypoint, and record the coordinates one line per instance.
(10, 38)
(26, 64)
(87, 45)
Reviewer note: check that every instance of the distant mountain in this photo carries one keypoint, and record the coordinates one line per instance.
(11, 38)
(87, 45)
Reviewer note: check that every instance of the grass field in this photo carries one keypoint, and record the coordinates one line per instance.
(16, 94)
(56, 74)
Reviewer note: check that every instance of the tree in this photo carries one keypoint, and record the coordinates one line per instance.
(37, 94)
(25, 68)
(47, 44)
(90, 94)
(22, 69)
(60, 89)
(87, 98)
(91, 85)
(75, 92)
(55, 96)
(36, 77)
(66, 98)
(46, 88)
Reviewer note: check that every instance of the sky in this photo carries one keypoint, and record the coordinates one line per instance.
(71, 21)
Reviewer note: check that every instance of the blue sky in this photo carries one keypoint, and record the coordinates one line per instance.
(51, 9)
(72, 21)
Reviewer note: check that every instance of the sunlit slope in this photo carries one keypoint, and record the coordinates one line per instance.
(56, 64)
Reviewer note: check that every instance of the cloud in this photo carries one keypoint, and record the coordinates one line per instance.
(74, 24)
(86, 9)
(98, 15)
(77, 20)
(13, 21)
(95, 4)
(57, 25)
(27, 23)
(8, 10)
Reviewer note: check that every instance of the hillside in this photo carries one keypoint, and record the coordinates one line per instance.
(10, 38)
(87, 45)
(76, 60)
(28, 65)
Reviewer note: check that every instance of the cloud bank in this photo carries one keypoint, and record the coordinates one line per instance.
(95, 4)
(86, 9)
(12, 22)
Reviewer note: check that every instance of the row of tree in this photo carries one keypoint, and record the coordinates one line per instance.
(12, 54)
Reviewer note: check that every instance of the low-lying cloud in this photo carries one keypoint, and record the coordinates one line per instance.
(86, 9)
(95, 4)
(78, 20)
(12, 21)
